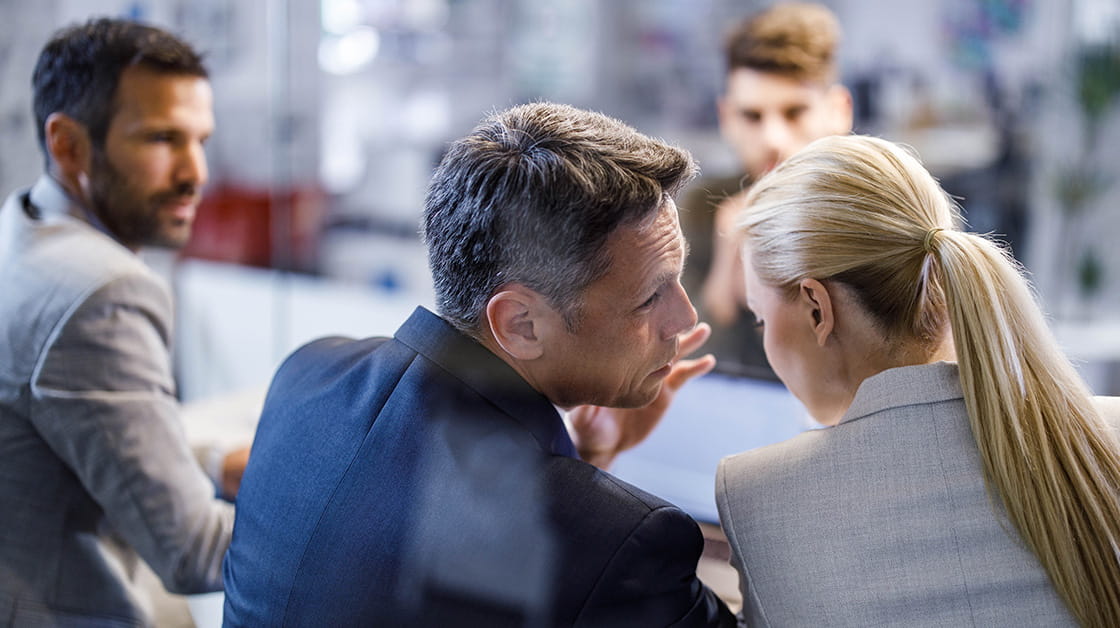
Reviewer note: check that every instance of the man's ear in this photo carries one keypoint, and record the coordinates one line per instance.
(69, 145)
(519, 321)
(840, 102)
(817, 302)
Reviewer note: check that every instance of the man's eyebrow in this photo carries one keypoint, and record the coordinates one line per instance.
(661, 279)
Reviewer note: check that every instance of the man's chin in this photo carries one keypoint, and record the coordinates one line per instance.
(641, 398)
(762, 171)
(173, 237)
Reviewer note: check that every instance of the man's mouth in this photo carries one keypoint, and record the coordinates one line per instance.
(664, 370)
(181, 207)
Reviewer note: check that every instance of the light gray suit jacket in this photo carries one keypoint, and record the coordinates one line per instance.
(94, 465)
(882, 520)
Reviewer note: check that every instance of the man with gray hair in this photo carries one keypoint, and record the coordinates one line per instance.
(428, 479)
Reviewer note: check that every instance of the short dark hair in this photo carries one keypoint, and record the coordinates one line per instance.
(793, 39)
(78, 70)
(530, 196)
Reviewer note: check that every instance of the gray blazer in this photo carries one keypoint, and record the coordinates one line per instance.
(882, 520)
(95, 469)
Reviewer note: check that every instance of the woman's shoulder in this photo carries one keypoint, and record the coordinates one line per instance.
(762, 465)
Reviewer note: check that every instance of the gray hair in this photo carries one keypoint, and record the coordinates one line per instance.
(530, 196)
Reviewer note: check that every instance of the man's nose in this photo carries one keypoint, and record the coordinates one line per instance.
(776, 134)
(191, 166)
(683, 316)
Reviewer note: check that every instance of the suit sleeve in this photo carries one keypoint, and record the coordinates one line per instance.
(751, 614)
(651, 580)
(103, 398)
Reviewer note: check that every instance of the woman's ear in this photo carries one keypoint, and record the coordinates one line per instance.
(69, 145)
(817, 302)
(515, 318)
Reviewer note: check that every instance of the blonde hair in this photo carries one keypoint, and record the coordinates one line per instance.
(864, 212)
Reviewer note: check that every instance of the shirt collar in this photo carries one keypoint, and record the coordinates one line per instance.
(52, 202)
(904, 386)
(488, 375)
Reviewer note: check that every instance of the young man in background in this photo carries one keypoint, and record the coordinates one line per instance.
(781, 92)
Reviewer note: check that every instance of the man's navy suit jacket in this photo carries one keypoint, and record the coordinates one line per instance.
(419, 481)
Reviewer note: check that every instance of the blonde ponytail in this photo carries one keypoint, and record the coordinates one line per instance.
(1046, 451)
(864, 212)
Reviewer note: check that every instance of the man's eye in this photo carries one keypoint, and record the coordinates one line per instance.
(650, 301)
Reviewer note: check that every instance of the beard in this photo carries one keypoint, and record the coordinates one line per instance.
(131, 215)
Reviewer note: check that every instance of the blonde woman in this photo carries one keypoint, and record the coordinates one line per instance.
(968, 477)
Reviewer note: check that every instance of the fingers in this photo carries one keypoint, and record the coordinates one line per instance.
(694, 339)
(685, 370)
(580, 417)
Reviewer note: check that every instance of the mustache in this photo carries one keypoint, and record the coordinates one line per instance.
(181, 192)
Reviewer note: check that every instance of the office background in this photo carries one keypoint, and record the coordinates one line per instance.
(331, 115)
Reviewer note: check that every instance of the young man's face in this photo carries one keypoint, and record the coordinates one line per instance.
(768, 117)
(145, 184)
(628, 328)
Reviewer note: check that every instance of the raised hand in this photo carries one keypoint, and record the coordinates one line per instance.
(601, 433)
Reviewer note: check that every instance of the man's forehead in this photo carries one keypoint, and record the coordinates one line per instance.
(648, 240)
(139, 85)
(749, 86)
(656, 223)
(144, 95)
